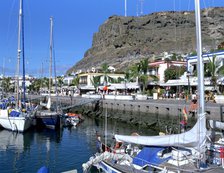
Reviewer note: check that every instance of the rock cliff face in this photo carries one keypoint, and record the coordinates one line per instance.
(122, 41)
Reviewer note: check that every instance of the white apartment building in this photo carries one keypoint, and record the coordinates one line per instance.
(158, 68)
(192, 60)
(68, 80)
(86, 79)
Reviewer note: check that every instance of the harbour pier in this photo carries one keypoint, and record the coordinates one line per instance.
(170, 107)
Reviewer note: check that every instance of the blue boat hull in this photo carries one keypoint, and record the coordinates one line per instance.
(50, 121)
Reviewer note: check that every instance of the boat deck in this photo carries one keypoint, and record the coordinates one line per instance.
(187, 168)
(124, 168)
(192, 168)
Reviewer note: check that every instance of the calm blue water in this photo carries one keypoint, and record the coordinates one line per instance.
(63, 150)
(59, 151)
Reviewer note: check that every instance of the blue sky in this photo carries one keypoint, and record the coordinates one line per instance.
(75, 22)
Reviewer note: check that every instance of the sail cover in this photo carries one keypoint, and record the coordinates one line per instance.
(192, 138)
(49, 103)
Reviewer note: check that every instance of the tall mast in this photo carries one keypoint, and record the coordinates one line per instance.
(137, 8)
(51, 49)
(55, 77)
(23, 56)
(3, 68)
(201, 108)
(200, 74)
(125, 8)
(141, 4)
(18, 54)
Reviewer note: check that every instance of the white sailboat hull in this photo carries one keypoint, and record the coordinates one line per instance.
(19, 124)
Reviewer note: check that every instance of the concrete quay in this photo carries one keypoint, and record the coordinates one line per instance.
(162, 107)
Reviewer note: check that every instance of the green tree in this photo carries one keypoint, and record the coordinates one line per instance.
(135, 72)
(211, 69)
(105, 70)
(6, 84)
(139, 71)
(45, 82)
(127, 78)
(60, 81)
(174, 57)
(106, 77)
(96, 82)
(75, 82)
(194, 53)
(168, 61)
(144, 81)
(35, 85)
(174, 72)
(144, 65)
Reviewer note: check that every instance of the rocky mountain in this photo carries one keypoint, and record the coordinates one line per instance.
(122, 41)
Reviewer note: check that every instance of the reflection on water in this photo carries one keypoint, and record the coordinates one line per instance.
(59, 150)
(11, 140)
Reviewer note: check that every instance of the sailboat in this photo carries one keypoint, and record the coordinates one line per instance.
(191, 151)
(18, 118)
(47, 116)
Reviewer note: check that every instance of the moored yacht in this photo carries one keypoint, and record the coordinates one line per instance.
(17, 118)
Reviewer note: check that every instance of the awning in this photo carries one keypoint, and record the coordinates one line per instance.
(88, 88)
(175, 83)
(121, 86)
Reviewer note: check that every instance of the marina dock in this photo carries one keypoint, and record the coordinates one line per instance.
(170, 107)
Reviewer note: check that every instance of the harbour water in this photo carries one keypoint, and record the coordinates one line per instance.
(59, 151)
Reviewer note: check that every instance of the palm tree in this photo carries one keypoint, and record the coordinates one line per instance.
(35, 86)
(213, 70)
(75, 82)
(144, 65)
(60, 81)
(168, 61)
(96, 82)
(127, 78)
(142, 69)
(144, 80)
(105, 70)
(139, 71)
(6, 84)
(135, 73)
(45, 82)
(210, 70)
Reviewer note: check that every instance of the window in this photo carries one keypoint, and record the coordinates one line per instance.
(83, 80)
